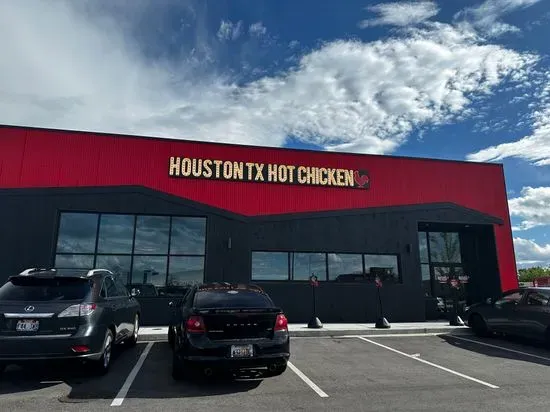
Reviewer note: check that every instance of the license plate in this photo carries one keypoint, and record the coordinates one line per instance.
(242, 351)
(27, 325)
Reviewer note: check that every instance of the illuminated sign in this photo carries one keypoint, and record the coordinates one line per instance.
(185, 167)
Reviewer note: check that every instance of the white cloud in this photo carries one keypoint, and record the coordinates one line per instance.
(535, 147)
(530, 253)
(229, 30)
(257, 29)
(65, 69)
(532, 207)
(486, 16)
(404, 13)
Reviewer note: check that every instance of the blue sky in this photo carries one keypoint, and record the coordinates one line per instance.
(464, 79)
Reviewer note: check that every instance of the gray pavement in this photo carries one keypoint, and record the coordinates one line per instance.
(369, 373)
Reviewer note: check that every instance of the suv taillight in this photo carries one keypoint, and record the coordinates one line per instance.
(281, 323)
(85, 309)
(195, 324)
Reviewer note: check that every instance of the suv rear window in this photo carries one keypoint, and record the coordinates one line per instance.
(231, 299)
(43, 290)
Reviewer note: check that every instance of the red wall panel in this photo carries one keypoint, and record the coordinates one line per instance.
(49, 158)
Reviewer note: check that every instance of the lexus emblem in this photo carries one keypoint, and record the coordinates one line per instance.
(29, 309)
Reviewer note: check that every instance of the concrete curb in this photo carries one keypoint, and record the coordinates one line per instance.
(308, 333)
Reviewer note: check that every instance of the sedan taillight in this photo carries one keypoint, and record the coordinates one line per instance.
(281, 323)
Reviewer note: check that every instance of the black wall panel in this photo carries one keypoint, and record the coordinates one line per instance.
(29, 220)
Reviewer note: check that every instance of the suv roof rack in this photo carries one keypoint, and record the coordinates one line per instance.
(32, 271)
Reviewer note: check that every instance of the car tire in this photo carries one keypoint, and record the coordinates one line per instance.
(479, 326)
(134, 338)
(103, 364)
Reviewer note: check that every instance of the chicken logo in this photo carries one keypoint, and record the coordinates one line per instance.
(361, 178)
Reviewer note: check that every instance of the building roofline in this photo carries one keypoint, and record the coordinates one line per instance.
(244, 146)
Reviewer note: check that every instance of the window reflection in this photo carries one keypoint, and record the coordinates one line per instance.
(149, 269)
(423, 247)
(74, 261)
(303, 265)
(152, 235)
(269, 266)
(119, 265)
(77, 233)
(188, 236)
(185, 270)
(445, 247)
(382, 266)
(116, 233)
(345, 267)
(426, 280)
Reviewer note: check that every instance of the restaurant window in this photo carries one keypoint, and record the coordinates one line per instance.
(384, 267)
(303, 265)
(270, 266)
(344, 267)
(160, 251)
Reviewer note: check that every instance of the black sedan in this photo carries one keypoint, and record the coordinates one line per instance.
(45, 315)
(227, 327)
(520, 312)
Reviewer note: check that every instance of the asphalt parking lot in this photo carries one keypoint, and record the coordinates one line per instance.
(390, 373)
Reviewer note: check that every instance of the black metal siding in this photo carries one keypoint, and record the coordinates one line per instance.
(29, 222)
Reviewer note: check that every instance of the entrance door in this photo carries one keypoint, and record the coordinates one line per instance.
(442, 289)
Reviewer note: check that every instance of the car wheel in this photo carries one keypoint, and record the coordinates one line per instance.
(134, 338)
(103, 364)
(479, 326)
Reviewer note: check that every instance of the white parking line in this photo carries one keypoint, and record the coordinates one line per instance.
(308, 381)
(503, 348)
(130, 379)
(430, 363)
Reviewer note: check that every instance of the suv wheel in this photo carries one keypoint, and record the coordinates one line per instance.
(478, 325)
(133, 340)
(102, 364)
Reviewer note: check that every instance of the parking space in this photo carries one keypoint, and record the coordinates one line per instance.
(405, 373)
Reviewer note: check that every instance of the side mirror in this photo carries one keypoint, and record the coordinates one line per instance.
(489, 301)
(133, 292)
(171, 304)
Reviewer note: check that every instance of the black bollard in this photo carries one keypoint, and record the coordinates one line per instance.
(381, 322)
(314, 322)
(455, 319)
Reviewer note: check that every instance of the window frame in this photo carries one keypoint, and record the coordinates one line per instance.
(95, 254)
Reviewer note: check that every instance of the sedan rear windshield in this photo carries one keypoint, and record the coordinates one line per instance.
(231, 299)
(43, 290)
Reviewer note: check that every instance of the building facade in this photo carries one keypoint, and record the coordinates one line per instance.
(165, 213)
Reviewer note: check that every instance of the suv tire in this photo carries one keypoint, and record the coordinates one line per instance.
(102, 365)
(132, 341)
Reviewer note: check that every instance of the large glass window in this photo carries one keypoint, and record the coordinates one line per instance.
(77, 233)
(342, 267)
(345, 267)
(444, 247)
(152, 235)
(270, 266)
(188, 236)
(303, 265)
(155, 250)
(116, 234)
(384, 267)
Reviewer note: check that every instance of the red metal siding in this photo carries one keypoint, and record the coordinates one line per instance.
(46, 158)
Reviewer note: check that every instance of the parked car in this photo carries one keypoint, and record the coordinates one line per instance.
(47, 315)
(521, 312)
(228, 327)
